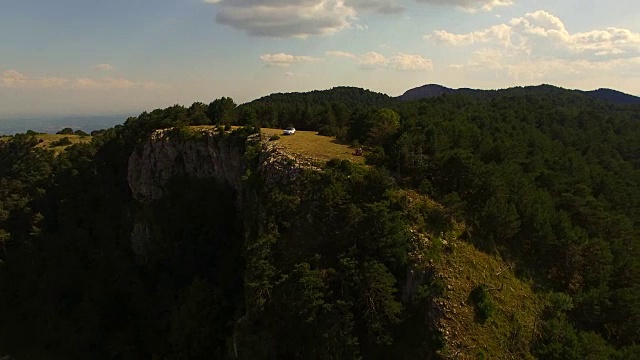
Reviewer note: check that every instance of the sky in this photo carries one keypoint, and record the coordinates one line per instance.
(80, 57)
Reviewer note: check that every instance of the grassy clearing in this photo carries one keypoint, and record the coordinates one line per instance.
(49, 139)
(310, 144)
(46, 140)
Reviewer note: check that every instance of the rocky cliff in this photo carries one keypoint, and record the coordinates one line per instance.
(205, 155)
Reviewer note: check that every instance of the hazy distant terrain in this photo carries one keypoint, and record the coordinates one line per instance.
(45, 124)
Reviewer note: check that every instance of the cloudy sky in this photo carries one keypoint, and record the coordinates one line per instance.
(109, 56)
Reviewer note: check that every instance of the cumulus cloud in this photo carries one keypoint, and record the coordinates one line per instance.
(374, 60)
(500, 33)
(471, 5)
(285, 60)
(285, 18)
(410, 62)
(304, 18)
(539, 44)
(104, 67)
(343, 54)
(15, 79)
(541, 31)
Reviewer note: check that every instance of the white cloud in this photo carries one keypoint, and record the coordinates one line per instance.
(471, 5)
(304, 18)
(285, 18)
(285, 60)
(539, 45)
(340, 54)
(104, 67)
(374, 60)
(409, 62)
(500, 33)
(15, 79)
(542, 32)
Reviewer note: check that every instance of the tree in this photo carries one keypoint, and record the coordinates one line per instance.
(65, 131)
(385, 124)
(223, 111)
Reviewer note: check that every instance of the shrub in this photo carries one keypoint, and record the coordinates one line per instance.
(65, 131)
(227, 127)
(483, 302)
(375, 157)
(326, 131)
(274, 137)
(62, 142)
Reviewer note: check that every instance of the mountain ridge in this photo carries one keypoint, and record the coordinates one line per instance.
(436, 90)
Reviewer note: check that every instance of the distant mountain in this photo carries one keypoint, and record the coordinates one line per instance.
(613, 96)
(343, 94)
(435, 90)
(426, 91)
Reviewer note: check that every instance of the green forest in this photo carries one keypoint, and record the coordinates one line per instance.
(315, 268)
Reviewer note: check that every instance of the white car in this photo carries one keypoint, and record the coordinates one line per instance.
(290, 131)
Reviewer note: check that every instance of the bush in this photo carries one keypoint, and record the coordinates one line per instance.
(274, 137)
(62, 142)
(326, 131)
(65, 131)
(375, 157)
(483, 302)
(227, 127)
(355, 144)
(80, 133)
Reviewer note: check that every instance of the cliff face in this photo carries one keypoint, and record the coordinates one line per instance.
(206, 155)
(209, 156)
(164, 157)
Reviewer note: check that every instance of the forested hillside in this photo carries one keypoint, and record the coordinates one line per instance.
(545, 179)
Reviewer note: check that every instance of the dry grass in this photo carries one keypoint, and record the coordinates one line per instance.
(48, 139)
(310, 144)
(508, 332)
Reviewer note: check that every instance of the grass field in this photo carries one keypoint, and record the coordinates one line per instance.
(310, 144)
(49, 139)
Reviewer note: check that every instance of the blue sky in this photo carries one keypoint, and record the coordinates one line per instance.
(110, 56)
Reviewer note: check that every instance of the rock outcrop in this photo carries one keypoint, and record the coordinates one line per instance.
(206, 156)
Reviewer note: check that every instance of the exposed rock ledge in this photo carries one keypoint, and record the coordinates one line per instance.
(211, 156)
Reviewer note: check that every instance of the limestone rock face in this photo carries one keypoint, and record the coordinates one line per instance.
(164, 157)
(207, 157)
(204, 156)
